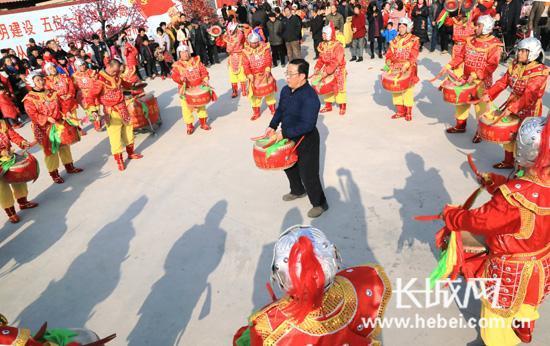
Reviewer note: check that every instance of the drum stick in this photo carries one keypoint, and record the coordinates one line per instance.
(473, 166)
(427, 217)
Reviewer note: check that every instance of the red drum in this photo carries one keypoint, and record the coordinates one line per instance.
(68, 134)
(324, 86)
(262, 87)
(494, 128)
(458, 94)
(197, 97)
(144, 111)
(25, 169)
(274, 156)
(397, 81)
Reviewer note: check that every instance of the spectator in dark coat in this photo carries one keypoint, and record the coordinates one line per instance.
(32, 45)
(99, 48)
(376, 26)
(274, 31)
(316, 27)
(420, 15)
(148, 58)
(141, 36)
(508, 13)
(292, 34)
(242, 13)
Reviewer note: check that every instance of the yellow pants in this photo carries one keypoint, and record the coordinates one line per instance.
(187, 112)
(10, 192)
(500, 333)
(52, 161)
(405, 98)
(463, 111)
(239, 77)
(340, 97)
(257, 101)
(120, 134)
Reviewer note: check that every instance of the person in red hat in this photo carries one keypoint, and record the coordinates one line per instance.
(402, 55)
(332, 62)
(515, 224)
(235, 41)
(323, 304)
(257, 62)
(527, 76)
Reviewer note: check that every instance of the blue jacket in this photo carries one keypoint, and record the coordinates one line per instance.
(389, 34)
(297, 112)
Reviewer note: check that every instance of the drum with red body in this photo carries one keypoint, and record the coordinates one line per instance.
(458, 94)
(263, 86)
(284, 157)
(197, 96)
(396, 81)
(144, 111)
(494, 128)
(324, 86)
(24, 170)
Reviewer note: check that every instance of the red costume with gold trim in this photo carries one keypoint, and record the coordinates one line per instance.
(257, 64)
(64, 87)
(109, 92)
(332, 61)
(7, 107)
(357, 294)
(84, 83)
(234, 46)
(462, 31)
(527, 83)
(480, 56)
(40, 105)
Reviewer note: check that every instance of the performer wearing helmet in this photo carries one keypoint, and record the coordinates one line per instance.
(15, 191)
(234, 39)
(44, 108)
(480, 56)
(190, 72)
(527, 78)
(108, 89)
(332, 61)
(323, 305)
(84, 81)
(402, 55)
(64, 87)
(515, 223)
(257, 63)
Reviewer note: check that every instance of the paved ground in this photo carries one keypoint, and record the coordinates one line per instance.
(176, 250)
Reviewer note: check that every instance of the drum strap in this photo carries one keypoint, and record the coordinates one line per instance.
(297, 144)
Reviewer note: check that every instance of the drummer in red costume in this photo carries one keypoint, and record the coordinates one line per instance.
(189, 72)
(332, 61)
(84, 81)
(463, 29)
(402, 55)
(324, 304)
(109, 90)
(130, 68)
(65, 89)
(480, 56)
(527, 77)
(17, 191)
(257, 68)
(235, 41)
(515, 224)
(44, 108)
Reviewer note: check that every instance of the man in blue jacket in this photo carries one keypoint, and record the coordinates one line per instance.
(297, 114)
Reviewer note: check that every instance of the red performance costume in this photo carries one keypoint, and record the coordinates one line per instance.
(515, 224)
(109, 90)
(44, 109)
(235, 40)
(401, 58)
(257, 62)
(84, 79)
(64, 87)
(527, 81)
(323, 306)
(480, 57)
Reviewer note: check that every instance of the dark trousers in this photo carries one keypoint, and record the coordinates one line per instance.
(278, 54)
(380, 41)
(304, 175)
(444, 37)
(150, 68)
(213, 54)
(164, 69)
(316, 44)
